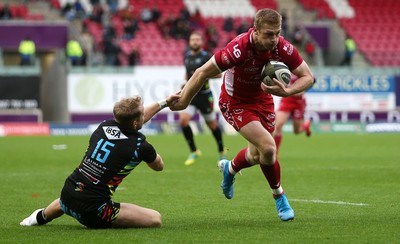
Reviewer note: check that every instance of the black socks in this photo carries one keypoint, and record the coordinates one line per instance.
(40, 218)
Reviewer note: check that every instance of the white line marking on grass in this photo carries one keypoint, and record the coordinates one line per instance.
(330, 202)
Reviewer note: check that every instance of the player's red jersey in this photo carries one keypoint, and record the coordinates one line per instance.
(243, 64)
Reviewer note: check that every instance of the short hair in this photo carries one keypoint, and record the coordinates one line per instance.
(196, 32)
(127, 110)
(267, 16)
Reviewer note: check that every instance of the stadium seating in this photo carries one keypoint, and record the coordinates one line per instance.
(320, 6)
(371, 24)
(154, 49)
(375, 30)
(21, 11)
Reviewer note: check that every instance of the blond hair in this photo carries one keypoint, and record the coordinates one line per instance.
(127, 110)
(267, 16)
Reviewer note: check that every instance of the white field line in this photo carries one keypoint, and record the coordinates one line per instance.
(329, 202)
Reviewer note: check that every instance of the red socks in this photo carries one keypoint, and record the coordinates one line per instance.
(240, 162)
(278, 139)
(273, 174)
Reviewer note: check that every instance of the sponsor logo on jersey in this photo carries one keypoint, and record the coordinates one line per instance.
(114, 133)
(225, 58)
(288, 48)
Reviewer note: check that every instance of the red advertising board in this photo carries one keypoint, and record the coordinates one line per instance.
(24, 129)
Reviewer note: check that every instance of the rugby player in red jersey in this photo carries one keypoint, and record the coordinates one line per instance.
(293, 106)
(246, 102)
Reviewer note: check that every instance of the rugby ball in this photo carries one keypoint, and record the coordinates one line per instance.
(277, 70)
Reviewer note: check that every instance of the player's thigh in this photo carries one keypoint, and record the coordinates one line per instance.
(258, 136)
(281, 118)
(131, 215)
(186, 115)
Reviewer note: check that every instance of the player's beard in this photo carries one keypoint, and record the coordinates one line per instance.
(195, 49)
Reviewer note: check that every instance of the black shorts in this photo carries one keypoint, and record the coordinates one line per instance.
(204, 102)
(93, 214)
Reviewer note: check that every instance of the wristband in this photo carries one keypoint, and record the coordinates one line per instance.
(163, 104)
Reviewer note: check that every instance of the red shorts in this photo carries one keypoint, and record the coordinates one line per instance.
(296, 106)
(239, 114)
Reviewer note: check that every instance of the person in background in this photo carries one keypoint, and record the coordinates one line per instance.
(115, 149)
(79, 10)
(74, 52)
(293, 106)
(203, 101)
(5, 12)
(349, 50)
(27, 51)
(310, 51)
(246, 102)
(243, 27)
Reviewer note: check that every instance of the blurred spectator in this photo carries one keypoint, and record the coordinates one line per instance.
(184, 14)
(5, 12)
(243, 27)
(146, 15)
(113, 5)
(97, 13)
(228, 24)
(180, 29)
(212, 37)
(111, 52)
(156, 14)
(310, 51)
(109, 32)
(74, 52)
(68, 12)
(197, 20)
(284, 24)
(87, 46)
(134, 58)
(298, 36)
(127, 13)
(130, 27)
(166, 25)
(350, 48)
(27, 51)
(79, 10)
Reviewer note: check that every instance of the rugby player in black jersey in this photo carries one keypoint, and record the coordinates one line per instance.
(115, 148)
(195, 57)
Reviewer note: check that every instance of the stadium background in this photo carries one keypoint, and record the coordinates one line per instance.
(53, 97)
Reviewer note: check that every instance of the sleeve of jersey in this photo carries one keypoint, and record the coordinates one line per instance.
(229, 56)
(148, 152)
(290, 56)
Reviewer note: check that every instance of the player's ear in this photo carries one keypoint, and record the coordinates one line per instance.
(255, 31)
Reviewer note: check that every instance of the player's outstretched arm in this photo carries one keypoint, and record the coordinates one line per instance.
(152, 109)
(157, 164)
(206, 71)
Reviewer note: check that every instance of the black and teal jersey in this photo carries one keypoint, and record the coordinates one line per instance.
(113, 152)
(192, 62)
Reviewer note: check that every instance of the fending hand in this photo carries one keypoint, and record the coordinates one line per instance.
(173, 98)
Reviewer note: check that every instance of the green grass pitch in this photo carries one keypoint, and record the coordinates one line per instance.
(344, 188)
